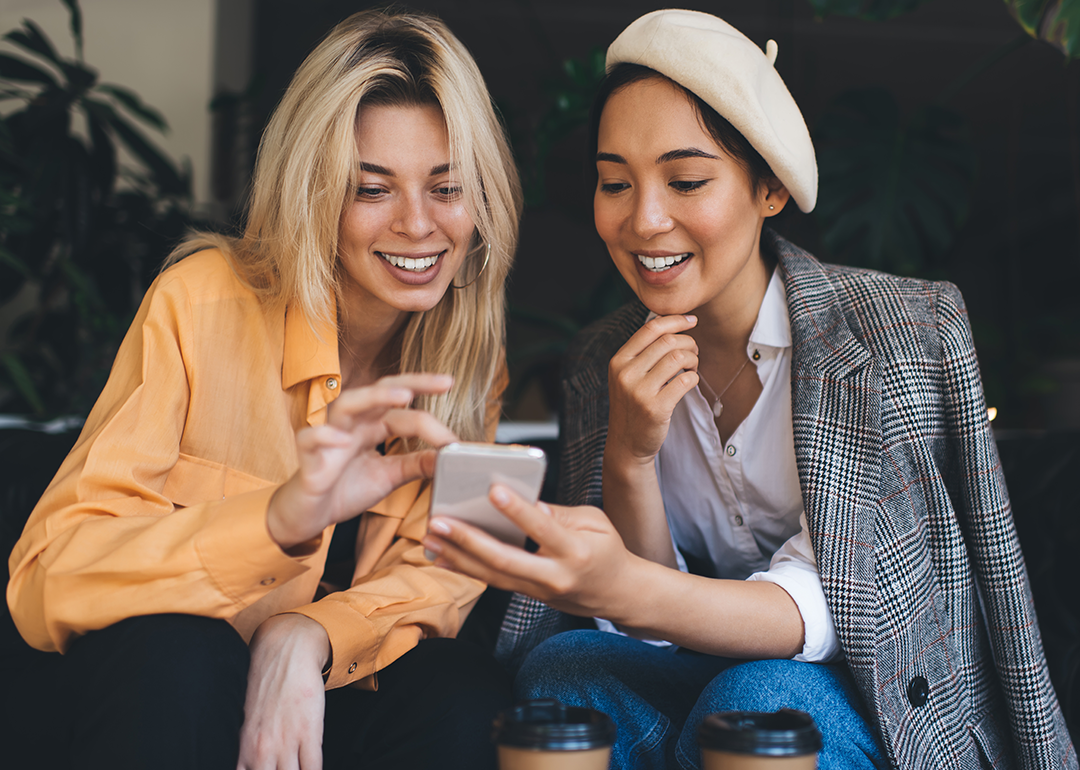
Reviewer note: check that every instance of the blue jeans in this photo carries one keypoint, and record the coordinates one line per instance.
(658, 696)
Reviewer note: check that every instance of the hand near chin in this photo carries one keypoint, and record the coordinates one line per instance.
(646, 380)
(342, 473)
(285, 702)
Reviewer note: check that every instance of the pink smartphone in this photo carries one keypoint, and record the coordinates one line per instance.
(465, 471)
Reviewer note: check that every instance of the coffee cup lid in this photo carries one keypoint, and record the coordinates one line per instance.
(782, 733)
(549, 724)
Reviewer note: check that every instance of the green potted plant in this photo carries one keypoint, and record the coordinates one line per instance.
(81, 233)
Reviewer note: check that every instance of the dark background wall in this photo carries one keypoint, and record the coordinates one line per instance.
(1016, 257)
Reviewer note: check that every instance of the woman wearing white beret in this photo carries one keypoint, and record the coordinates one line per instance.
(804, 505)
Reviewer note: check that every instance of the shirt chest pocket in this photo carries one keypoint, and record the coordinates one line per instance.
(194, 480)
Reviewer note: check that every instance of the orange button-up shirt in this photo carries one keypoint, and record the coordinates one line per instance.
(161, 505)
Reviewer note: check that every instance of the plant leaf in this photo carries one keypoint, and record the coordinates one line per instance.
(22, 382)
(76, 25)
(1055, 21)
(892, 194)
(33, 39)
(1062, 29)
(165, 174)
(14, 68)
(133, 104)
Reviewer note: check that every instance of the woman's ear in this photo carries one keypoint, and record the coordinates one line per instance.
(775, 197)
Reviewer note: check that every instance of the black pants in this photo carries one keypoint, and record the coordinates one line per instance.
(167, 691)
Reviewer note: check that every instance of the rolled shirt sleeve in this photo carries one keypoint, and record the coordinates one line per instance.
(794, 569)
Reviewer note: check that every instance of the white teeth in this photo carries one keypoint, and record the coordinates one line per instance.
(659, 264)
(417, 265)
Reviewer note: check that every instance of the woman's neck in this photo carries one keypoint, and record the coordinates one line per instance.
(725, 323)
(369, 344)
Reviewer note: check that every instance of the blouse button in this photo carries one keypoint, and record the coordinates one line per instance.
(730, 451)
(267, 581)
(756, 356)
(352, 668)
(331, 383)
(738, 520)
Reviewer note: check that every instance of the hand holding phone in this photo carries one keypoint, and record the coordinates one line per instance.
(464, 472)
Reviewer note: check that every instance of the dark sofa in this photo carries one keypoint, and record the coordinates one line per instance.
(1042, 471)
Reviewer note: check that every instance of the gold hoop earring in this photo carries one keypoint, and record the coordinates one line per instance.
(483, 267)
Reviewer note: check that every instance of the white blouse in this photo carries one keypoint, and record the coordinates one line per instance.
(736, 510)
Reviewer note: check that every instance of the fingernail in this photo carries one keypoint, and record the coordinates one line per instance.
(544, 507)
(432, 544)
(401, 394)
(692, 319)
(499, 495)
(439, 526)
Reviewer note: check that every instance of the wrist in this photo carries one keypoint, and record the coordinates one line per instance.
(631, 588)
(276, 522)
(298, 635)
(627, 466)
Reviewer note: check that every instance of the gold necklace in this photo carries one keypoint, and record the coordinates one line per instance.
(717, 406)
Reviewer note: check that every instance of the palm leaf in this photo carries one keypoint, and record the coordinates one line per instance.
(163, 171)
(892, 193)
(133, 104)
(14, 68)
(20, 379)
(75, 15)
(33, 39)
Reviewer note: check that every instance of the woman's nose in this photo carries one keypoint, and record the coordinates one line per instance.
(413, 217)
(650, 216)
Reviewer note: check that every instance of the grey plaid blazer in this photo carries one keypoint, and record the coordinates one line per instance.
(907, 507)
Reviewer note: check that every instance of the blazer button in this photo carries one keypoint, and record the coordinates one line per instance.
(352, 668)
(918, 690)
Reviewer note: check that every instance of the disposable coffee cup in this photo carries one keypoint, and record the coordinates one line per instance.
(747, 740)
(547, 735)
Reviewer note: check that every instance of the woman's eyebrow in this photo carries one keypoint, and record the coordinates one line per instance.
(689, 152)
(667, 157)
(374, 168)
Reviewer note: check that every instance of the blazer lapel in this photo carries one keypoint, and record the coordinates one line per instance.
(836, 416)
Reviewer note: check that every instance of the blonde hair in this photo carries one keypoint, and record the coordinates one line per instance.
(306, 174)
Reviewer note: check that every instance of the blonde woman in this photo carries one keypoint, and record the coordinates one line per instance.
(272, 386)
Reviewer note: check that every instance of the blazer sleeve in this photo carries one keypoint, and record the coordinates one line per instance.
(1040, 736)
(115, 535)
(397, 596)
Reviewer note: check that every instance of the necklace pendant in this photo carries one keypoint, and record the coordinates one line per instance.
(717, 409)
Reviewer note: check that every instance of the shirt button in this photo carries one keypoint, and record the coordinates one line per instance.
(738, 521)
(352, 668)
(331, 383)
(730, 451)
(267, 581)
(756, 356)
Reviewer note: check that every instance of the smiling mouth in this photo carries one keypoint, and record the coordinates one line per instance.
(660, 264)
(412, 264)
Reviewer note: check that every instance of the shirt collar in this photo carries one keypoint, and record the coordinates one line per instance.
(773, 326)
(309, 352)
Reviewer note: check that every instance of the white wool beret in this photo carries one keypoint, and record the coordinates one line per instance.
(722, 66)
